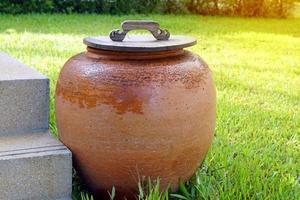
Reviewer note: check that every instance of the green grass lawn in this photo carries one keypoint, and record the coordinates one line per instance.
(296, 10)
(256, 65)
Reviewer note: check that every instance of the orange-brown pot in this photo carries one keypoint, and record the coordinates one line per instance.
(128, 115)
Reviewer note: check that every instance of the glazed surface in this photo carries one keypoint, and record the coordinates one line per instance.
(126, 118)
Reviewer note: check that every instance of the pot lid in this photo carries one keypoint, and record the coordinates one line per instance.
(160, 40)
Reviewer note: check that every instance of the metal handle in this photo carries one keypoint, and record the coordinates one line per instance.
(128, 25)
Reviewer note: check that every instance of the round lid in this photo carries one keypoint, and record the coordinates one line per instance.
(159, 41)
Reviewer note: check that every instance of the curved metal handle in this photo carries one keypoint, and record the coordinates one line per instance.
(128, 25)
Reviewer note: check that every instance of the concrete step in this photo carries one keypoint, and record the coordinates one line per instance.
(24, 97)
(33, 164)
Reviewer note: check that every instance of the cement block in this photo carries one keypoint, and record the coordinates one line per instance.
(34, 166)
(24, 98)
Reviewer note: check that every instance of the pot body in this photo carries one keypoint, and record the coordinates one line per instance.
(126, 116)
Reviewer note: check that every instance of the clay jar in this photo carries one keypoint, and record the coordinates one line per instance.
(141, 107)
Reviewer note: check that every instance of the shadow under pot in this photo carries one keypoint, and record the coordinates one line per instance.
(135, 107)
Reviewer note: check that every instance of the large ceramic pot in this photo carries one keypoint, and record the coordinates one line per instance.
(141, 107)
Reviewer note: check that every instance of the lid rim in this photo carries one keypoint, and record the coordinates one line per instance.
(178, 42)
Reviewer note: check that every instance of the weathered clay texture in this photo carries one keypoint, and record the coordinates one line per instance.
(126, 116)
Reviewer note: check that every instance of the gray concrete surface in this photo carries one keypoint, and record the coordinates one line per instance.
(33, 164)
(24, 98)
(34, 167)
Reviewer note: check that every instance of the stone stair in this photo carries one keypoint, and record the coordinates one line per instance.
(33, 164)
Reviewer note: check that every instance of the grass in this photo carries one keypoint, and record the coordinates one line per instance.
(256, 66)
(296, 9)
